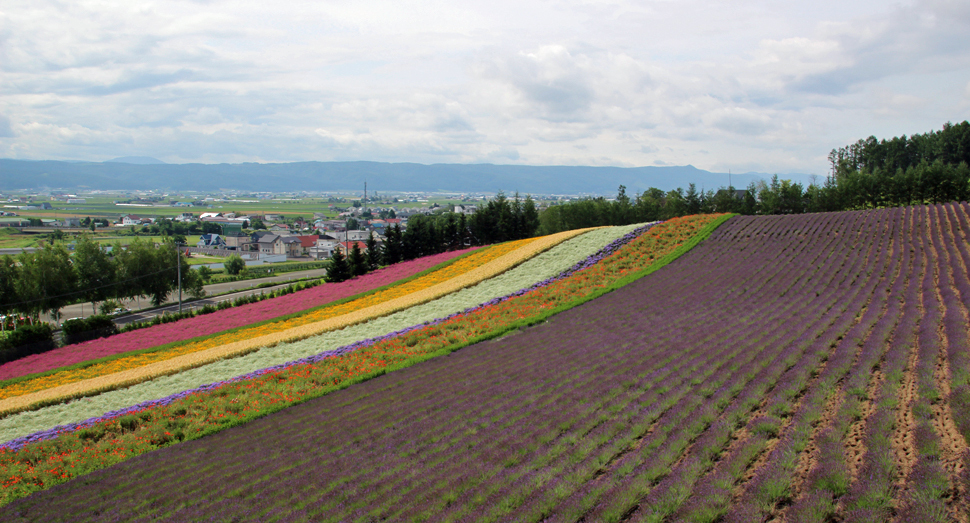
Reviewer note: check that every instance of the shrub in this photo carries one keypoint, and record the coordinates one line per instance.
(78, 330)
(234, 264)
(27, 340)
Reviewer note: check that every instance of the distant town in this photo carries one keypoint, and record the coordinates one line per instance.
(259, 227)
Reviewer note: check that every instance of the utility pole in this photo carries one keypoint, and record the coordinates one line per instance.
(178, 263)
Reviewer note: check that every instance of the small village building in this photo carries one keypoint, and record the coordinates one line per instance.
(238, 241)
(211, 241)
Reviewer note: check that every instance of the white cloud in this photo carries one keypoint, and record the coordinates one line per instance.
(570, 82)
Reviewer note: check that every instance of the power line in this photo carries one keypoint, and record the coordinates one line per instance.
(83, 291)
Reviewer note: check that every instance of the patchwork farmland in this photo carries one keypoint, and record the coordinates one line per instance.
(783, 368)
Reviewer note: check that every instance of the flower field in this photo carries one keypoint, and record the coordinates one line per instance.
(273, 393)
(543, 266)
(220, 320)
(466, 272)
(786, 368)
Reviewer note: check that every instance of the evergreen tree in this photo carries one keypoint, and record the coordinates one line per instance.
(393, 248)
(338, 270)
(357, 261)
(530, 218)
(374, 254)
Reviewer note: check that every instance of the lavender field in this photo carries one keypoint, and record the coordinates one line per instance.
(804, 368)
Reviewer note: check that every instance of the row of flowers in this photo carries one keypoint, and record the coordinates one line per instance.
(536, 269)
(222, 320)
(37, 461)
(242, 318)
(468, 271)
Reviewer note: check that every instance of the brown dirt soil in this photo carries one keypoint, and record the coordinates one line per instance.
(855, 449)
(952, 442)
(904, 444)
(808, 459)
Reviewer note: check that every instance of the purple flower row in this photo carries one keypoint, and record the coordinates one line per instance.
(611, 248)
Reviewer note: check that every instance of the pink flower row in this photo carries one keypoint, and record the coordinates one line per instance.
(221, 320)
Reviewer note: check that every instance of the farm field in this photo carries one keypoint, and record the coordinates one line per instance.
(788, 368)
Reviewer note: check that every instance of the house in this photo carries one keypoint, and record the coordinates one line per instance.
(14, 222)
(239, 242)
(307, 242)
(331, 225)
(323, 247)
(279, 227)
(291, 246)
(264, 242)
(72, 222)
(345, 247)
(130, 219)
(212, 241)
(256, 235)
(355, 235)
(185, 217)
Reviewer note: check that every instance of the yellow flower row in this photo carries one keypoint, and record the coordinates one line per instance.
(249, 342)
(133, 361)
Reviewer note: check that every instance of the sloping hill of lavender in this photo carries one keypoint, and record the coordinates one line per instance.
(789, 368)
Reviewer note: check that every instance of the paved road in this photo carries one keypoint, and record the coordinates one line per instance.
(14, 252)
(234, 290)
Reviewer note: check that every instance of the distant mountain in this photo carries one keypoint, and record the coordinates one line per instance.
(350, 176)
(137, 160)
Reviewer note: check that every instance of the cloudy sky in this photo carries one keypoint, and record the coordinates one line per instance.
(767, 85)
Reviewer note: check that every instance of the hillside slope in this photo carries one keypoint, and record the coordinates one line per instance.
(792, 367)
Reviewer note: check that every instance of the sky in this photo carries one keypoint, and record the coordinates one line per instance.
(749, 86)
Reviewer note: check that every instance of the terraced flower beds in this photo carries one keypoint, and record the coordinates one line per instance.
(538, 268)
(339, 372)
(466, 272)
(220, 320)
(789, 368)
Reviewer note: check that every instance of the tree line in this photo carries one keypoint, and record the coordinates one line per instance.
(920, 169)
(501, 219)
(49, 278)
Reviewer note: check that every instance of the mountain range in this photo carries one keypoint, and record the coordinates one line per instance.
(145, 173)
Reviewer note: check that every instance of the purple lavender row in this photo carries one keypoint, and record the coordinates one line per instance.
(871, 495)
(956, 321)
(656, 501)
(712, 285)
(773, 483)
(670, 494)
(928, 481)
(712, 494)
(616, 497)
(830, 478)
(611, 248)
